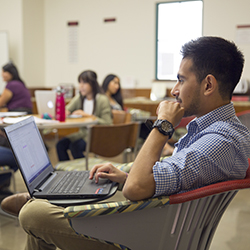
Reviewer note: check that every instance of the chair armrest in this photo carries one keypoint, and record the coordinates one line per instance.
(212, 189)
(216, 188)
(125, 166)
(113, 207)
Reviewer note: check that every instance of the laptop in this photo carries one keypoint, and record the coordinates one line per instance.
(41, 179)
(45, 101)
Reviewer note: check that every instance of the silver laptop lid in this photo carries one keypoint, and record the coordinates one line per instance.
(45, 101)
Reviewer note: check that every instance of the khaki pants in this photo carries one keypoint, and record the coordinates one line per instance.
(47, 229)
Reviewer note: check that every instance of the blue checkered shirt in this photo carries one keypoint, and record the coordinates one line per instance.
(216, 148)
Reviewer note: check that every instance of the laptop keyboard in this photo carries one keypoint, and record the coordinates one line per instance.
(70, 183)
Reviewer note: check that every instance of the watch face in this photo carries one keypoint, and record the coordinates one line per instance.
(166, 126)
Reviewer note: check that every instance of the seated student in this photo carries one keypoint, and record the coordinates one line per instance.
(112, 88)
(89, 102)
(216, 147)
(15, 95)
(6, 159)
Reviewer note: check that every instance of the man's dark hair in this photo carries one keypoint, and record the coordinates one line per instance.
(218, 57)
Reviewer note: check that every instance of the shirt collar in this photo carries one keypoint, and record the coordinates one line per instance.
(222, 113)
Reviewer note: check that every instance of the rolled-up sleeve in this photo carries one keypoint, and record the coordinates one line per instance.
(210, 159)
(166, 178)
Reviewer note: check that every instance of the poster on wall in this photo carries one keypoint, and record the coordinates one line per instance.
(4, 52)
(73, 42)
(243, 34)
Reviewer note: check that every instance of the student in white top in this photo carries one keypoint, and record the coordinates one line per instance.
(89, 102)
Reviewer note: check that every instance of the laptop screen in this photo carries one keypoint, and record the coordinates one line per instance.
(29, 150)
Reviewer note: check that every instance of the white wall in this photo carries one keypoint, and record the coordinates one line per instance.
(24, 21)
(125, 47)
(11, 21)
(221, 19)
(33, 43)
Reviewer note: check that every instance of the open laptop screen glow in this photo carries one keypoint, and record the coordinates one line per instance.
(29, 150)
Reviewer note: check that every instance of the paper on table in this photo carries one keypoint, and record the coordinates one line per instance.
(42, 121)
(74, 116)
(5, 114)
(11, 120)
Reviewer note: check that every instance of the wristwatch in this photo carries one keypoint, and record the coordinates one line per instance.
(164, 127)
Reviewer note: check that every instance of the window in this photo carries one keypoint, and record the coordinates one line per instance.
(177, 23)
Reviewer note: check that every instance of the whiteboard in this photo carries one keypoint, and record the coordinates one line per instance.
(4, 55)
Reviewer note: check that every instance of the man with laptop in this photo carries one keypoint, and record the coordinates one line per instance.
(41, 180)
(216, 147)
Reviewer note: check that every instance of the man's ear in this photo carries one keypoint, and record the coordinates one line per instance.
(210, 84)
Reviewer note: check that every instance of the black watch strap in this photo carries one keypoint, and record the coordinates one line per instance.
(164, 127)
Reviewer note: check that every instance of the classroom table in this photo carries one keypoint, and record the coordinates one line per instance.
(69, 123)
(53, 124)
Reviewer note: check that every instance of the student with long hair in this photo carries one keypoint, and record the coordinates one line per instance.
(112, 88)
(15, 96)
(89, 102)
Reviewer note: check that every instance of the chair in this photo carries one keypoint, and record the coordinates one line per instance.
(185, 221)
(244, 117)
(106, 141)
(121, 116)
(6, 170)
(184, 122)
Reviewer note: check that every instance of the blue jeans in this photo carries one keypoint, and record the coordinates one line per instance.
(6, 158)
(76, 148)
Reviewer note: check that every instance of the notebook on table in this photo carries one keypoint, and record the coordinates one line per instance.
(45, 101)
(41, 179)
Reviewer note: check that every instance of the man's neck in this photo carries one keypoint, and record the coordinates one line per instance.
(210, 108)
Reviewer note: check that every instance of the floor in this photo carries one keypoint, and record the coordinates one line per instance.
(232, 232)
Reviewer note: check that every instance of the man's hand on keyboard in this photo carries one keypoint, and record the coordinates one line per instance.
(107, 171)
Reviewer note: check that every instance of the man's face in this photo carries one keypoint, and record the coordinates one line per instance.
(187, 90)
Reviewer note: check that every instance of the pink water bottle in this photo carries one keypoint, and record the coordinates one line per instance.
(60, 105)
